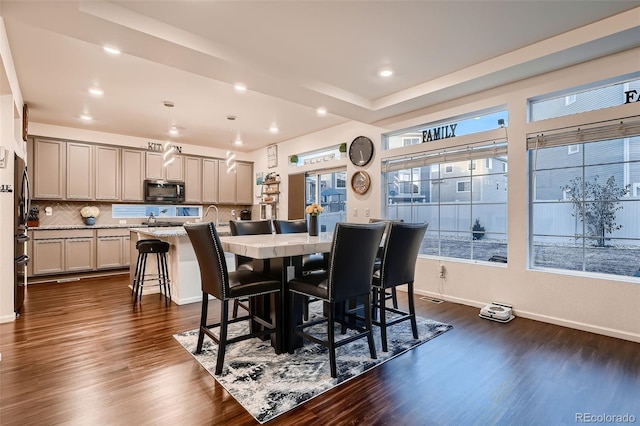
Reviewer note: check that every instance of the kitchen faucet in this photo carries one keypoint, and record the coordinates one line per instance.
(217, 213)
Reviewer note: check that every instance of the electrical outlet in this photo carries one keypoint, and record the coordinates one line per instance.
(48, 211)
(442, 271)
(367, 212)
(355, 212)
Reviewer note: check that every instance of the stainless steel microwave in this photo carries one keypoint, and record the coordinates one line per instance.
(164, 191)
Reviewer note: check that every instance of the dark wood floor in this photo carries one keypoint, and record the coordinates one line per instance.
(80, 355)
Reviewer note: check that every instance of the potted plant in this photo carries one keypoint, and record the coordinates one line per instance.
(89, 213)
(343, 150)
(293, 160)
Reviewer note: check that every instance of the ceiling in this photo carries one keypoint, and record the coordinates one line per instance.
(293, 57)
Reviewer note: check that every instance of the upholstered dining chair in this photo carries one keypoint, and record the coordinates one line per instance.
(400, 252)
(392, 292)
(243, 263)
(353, 253)
(218, 282)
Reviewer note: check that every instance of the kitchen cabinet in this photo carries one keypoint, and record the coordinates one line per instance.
(236, 188)
(210, 179)
(80, 254)
(80, 171)
(132, 175)
(154, 168)
(107, 173)
(193, 179)
(112, 248)
(48, 256)
(49, 165)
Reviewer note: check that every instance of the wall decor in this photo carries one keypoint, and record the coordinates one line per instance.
(360, 182)
(272, 156)
(361, 151)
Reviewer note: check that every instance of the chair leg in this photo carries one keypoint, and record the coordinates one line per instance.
(332, 342)
(236, 303)
(143, 271)
(375, 303)
(203, 321)
(292, 322)
(368, 327)
(278, 321)
(412, 310)
(383, 320)
(305, 308)
(222, 344)
(394, 297)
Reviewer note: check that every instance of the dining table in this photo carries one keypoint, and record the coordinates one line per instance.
(281, 254)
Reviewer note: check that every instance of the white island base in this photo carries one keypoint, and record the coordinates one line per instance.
(184, 272)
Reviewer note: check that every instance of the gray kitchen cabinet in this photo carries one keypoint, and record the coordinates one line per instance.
(112, 248)
(193, 179)
(107, 173)
(49, 165)
(132, 175)
(48, 256)
(154, 168)
(80, 254)
(244, 182)
(236, 187)
(80, 171)
(210, 180)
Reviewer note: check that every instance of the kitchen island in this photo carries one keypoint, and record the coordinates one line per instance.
(184, 271)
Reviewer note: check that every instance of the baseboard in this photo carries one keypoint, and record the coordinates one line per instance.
(8, 318)
(605, 331)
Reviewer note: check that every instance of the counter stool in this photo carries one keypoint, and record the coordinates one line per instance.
(140, 277)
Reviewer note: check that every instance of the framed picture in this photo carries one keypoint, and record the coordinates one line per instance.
(259, 178)
(272, 156)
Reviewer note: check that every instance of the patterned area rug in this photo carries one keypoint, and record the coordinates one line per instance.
(268, 385)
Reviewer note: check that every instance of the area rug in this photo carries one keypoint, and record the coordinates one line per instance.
(268, 385)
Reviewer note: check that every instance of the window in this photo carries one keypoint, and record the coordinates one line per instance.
(443, 191)
(414, 140)
(463, 186)
(568, 100)
(573, 149)
(584, 207)
(472, 165)
(328, 188)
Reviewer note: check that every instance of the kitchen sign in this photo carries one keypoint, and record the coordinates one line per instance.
(437, 133)
(159, 147)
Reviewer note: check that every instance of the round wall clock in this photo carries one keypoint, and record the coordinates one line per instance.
(361, 151)
(360, 182)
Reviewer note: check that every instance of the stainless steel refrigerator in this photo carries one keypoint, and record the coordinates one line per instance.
(22, 203)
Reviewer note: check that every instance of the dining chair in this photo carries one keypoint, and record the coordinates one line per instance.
(243, 263)
(401, 246)
(392, 292)
(218, 282)
(353, 253)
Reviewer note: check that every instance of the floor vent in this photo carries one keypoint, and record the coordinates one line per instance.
(67, 280)
(432, 300)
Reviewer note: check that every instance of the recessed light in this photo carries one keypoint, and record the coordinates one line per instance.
(321, 111)
(96, 91)
(274, 129)
(111, 50)
(240, 88)
(86, 117)
(385, 72)
(173, 131)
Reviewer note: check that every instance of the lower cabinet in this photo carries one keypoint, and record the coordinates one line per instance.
(68, 251)
(113, 248)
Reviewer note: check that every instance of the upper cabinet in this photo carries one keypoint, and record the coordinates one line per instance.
(107, 176)
(155, 170)
(236, 187)
(132, 175)
(80, 171)
(49, 165)
(210, 180)
(69, 170)
(192, 180)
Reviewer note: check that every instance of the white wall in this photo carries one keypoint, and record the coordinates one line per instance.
(605, 306)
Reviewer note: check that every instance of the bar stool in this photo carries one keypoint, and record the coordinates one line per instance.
(140, 278)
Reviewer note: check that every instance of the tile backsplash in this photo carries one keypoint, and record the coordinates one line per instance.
(65, 213)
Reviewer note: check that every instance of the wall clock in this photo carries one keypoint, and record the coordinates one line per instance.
(361, 151)
(360, 182)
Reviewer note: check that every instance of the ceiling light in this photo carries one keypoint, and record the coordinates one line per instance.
(273, 129)
(111, 50)
(385, 72)
(240, 88)
(237, 142)
(86, 117)
(321, 111)
(173, 131)
(96, 91)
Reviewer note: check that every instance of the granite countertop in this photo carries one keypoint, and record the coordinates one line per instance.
(82, 226)
(174, 231)
(164, 231)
